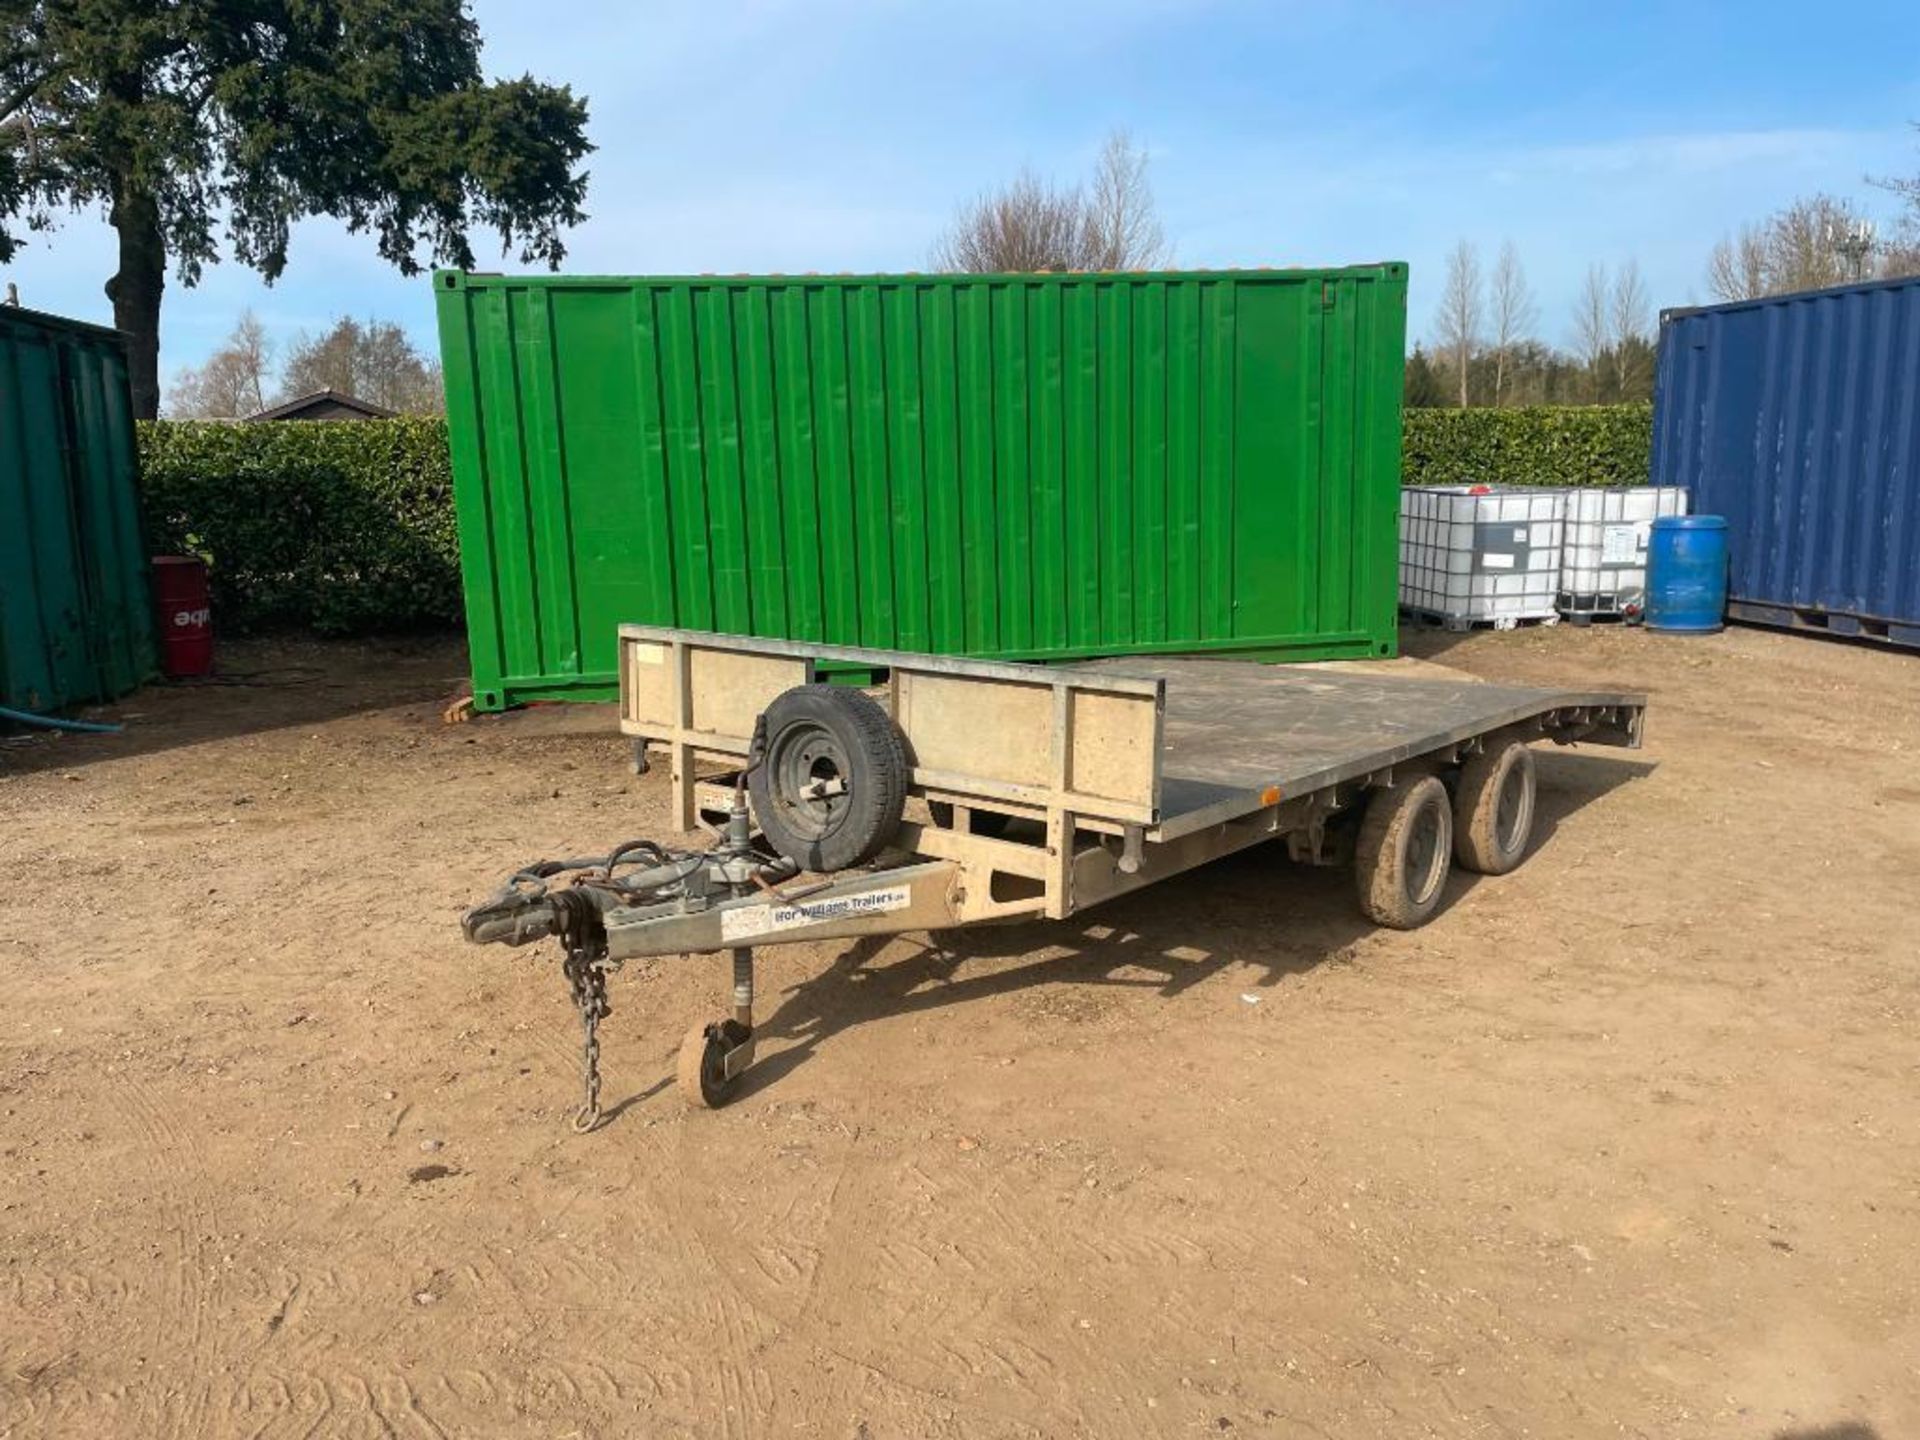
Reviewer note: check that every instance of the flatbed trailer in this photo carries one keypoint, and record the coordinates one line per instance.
(967, 791)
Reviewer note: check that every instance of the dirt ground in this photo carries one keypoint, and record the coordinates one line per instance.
(1623, 1144)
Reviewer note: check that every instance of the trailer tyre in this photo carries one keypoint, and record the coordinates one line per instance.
(832, 784)
(1403, 853)
(1493, 809)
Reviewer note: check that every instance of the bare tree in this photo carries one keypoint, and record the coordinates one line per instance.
(1901, 253)
(1034, 224)
(1514, 314)
(1593, 324)
(374, 361)
(1029, 224)
(1805, 243)
(1632, 328)
(1814, 242)
(234, 381)
(1737, 268)
(1120, 229)
(1460, 317)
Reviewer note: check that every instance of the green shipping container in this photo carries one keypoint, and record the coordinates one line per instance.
(76, 620)
(1016, 466)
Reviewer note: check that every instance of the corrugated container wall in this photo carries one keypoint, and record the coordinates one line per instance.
(1033, 466)
(76, 623)
(1797, 418)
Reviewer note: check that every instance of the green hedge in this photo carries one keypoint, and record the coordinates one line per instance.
(345, 527)
(1538, 445)
(338, 527)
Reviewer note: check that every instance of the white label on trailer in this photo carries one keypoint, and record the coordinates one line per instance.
(648, 653)
(1493, 560)
(750, 921)
(1623, 544)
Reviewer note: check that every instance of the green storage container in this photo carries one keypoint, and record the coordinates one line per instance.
(1017, 466)
(76, 620)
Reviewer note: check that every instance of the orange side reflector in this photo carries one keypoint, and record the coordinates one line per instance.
(1270, 795)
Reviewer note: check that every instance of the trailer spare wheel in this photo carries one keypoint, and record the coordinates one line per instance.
(830, 789)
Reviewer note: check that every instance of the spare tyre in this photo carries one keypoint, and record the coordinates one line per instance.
(832, 782)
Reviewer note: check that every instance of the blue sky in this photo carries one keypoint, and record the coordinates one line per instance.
(838, 134)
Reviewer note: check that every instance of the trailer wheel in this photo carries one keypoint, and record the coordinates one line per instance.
(1493, 811)
(832, 785)
(1404, 851)
(703, 1060)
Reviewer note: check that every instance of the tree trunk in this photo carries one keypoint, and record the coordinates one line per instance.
(136, 290)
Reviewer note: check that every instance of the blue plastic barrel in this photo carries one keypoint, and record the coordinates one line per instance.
(1687, 574)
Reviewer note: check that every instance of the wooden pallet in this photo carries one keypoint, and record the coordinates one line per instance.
(1460, 624)
(1601, 617)
(1811, 620)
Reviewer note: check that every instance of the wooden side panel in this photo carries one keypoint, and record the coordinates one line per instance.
(726, 689)
(1066, 743)
(647, 688)
(990, 729)
(1112, 744)
(730, 688)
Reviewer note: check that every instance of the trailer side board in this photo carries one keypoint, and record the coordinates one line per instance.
(1136, 768)
(1047, 742)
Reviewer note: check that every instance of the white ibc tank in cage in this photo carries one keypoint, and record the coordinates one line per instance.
(1604, 571)
(1480, 554)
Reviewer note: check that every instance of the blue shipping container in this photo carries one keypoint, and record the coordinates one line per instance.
(1797, 417)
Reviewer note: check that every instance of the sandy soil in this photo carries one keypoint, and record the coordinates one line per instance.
(1623, 1144)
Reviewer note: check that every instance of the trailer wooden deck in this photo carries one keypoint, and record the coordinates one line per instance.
(1235, 730)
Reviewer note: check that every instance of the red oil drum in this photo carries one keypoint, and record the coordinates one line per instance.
(186, 618)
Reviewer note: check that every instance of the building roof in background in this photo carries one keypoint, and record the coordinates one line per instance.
(325, 405)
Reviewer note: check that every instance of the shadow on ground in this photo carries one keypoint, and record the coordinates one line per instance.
(1569, 780)
(1429, 642)
(1166, 939)
(259, 685)
(1254, 912)
(1421, 641)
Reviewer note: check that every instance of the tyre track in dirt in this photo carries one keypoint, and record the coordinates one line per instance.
(158, 1306)
(951, 1300)
(171, 1159)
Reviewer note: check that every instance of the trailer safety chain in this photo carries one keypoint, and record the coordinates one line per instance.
(585, 968)
(588, 978)
(529, 908)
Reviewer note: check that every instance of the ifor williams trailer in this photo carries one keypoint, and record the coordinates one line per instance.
(1038, 791)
